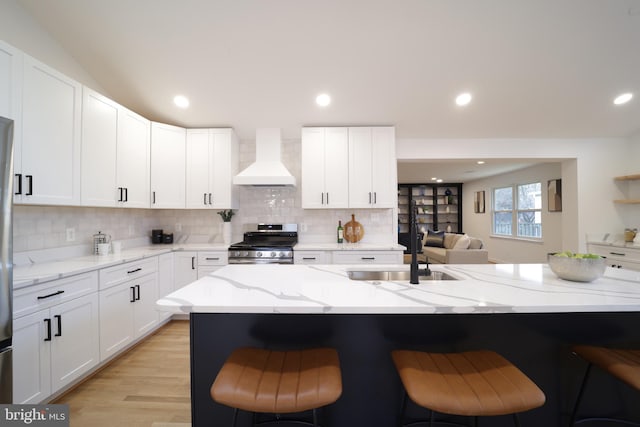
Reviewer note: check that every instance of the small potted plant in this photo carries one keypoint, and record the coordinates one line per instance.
(226, 216)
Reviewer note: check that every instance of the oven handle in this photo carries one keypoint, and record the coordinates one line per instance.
(261, 261)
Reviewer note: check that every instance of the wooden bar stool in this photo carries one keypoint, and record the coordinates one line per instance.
(472, 383)
(278, 382)
(622, 364)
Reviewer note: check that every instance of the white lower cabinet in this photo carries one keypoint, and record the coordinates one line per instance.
(185, 268)
(311, 257)
(165, 280)
(127, 309)
(54, 346)
(208, 262)
(367, 257)
(617, 256)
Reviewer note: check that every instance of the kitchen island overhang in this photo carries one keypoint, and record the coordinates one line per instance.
(522, 311)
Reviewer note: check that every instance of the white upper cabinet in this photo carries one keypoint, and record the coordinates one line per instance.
(99, 149)
(212, 161)
(167, 166)
(325, 168)
(115, 154)
(10, 82)
(133, 157)
(372, 167)
(48, 171)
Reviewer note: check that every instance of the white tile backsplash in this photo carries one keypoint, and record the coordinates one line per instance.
(44, 227)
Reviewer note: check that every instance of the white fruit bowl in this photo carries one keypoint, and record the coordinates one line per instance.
(577, 269)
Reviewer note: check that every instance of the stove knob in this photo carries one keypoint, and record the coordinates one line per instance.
(282, 254)
(258, 254)
(245, 253)
(273, 254)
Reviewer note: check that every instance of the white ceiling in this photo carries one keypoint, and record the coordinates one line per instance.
(536, 68)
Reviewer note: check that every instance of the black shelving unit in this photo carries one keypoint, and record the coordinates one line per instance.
(439, 206)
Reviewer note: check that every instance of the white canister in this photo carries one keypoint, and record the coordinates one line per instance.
(103, 248)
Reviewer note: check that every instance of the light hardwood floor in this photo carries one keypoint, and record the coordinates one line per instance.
(148, 384)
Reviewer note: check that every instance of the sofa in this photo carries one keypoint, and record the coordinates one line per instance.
(450, 248)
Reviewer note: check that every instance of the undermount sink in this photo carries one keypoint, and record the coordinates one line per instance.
(395, 275)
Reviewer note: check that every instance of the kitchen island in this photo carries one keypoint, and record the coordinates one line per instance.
(522, 311)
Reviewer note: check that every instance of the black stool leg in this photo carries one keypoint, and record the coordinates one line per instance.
(403, 408)
(235, 417)
(475, 421)
(572, 421)
(516, 420)
(315, 418)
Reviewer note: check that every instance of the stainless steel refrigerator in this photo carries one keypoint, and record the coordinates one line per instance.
(6, 260)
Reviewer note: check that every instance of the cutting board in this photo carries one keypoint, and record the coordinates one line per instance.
(353, 230)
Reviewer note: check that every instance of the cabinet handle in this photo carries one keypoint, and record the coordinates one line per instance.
(134, 271)
(51, 295)
(48, 322)
(154, 197)
(133, 294)
(30, 192)
(375, 197)
(617, 253)
(126, 194)
(212, 259)
(210, 198)
(368, 258)
(193, 263)
(59, 319)
(120, 192)
(19, 181)
(137, 289)
(204, 200)
(327, 197)
(369, 197)
(322, 198)
(311, 258)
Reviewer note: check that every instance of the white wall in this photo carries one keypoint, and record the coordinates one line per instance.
(511, 250)
(21, 31)
(588, 168)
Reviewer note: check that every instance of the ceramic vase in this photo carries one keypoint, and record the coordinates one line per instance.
(226, 233)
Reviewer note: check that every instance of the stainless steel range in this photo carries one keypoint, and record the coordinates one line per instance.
(268, 244)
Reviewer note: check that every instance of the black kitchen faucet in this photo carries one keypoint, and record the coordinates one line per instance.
(415, 271)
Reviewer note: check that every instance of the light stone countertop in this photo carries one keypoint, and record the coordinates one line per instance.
(326, 289)
(348, 247)
(31, 274)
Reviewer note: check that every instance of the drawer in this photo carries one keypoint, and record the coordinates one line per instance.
(311, 257)
(33, 298)
(213, 258)
(117, 274)
(616, 252)
(367, 257)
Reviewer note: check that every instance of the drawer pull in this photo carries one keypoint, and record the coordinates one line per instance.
(310, 258)
(48, 322)
(51, 295)
(212, 259)
(368, 258)
(617, 253)
(134, 271)
(59, 319)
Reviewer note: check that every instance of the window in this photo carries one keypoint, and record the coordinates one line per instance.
(517, 211)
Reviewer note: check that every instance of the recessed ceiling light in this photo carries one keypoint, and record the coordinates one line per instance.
(480, 162)
(181, 101)
(433, 178)
(438, 180)
(323, 100)
(623, 99)
(463, 99)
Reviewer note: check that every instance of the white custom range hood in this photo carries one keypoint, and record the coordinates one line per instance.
(268, 169)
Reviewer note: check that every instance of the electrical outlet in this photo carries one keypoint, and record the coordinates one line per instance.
(71, 234)
(178, 227)
(303, 227)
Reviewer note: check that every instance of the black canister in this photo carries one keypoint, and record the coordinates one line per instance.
(167, 238)
(156, 236)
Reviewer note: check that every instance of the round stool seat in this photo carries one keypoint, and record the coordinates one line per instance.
(622, 364)
(280, 382)
(473, 383)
